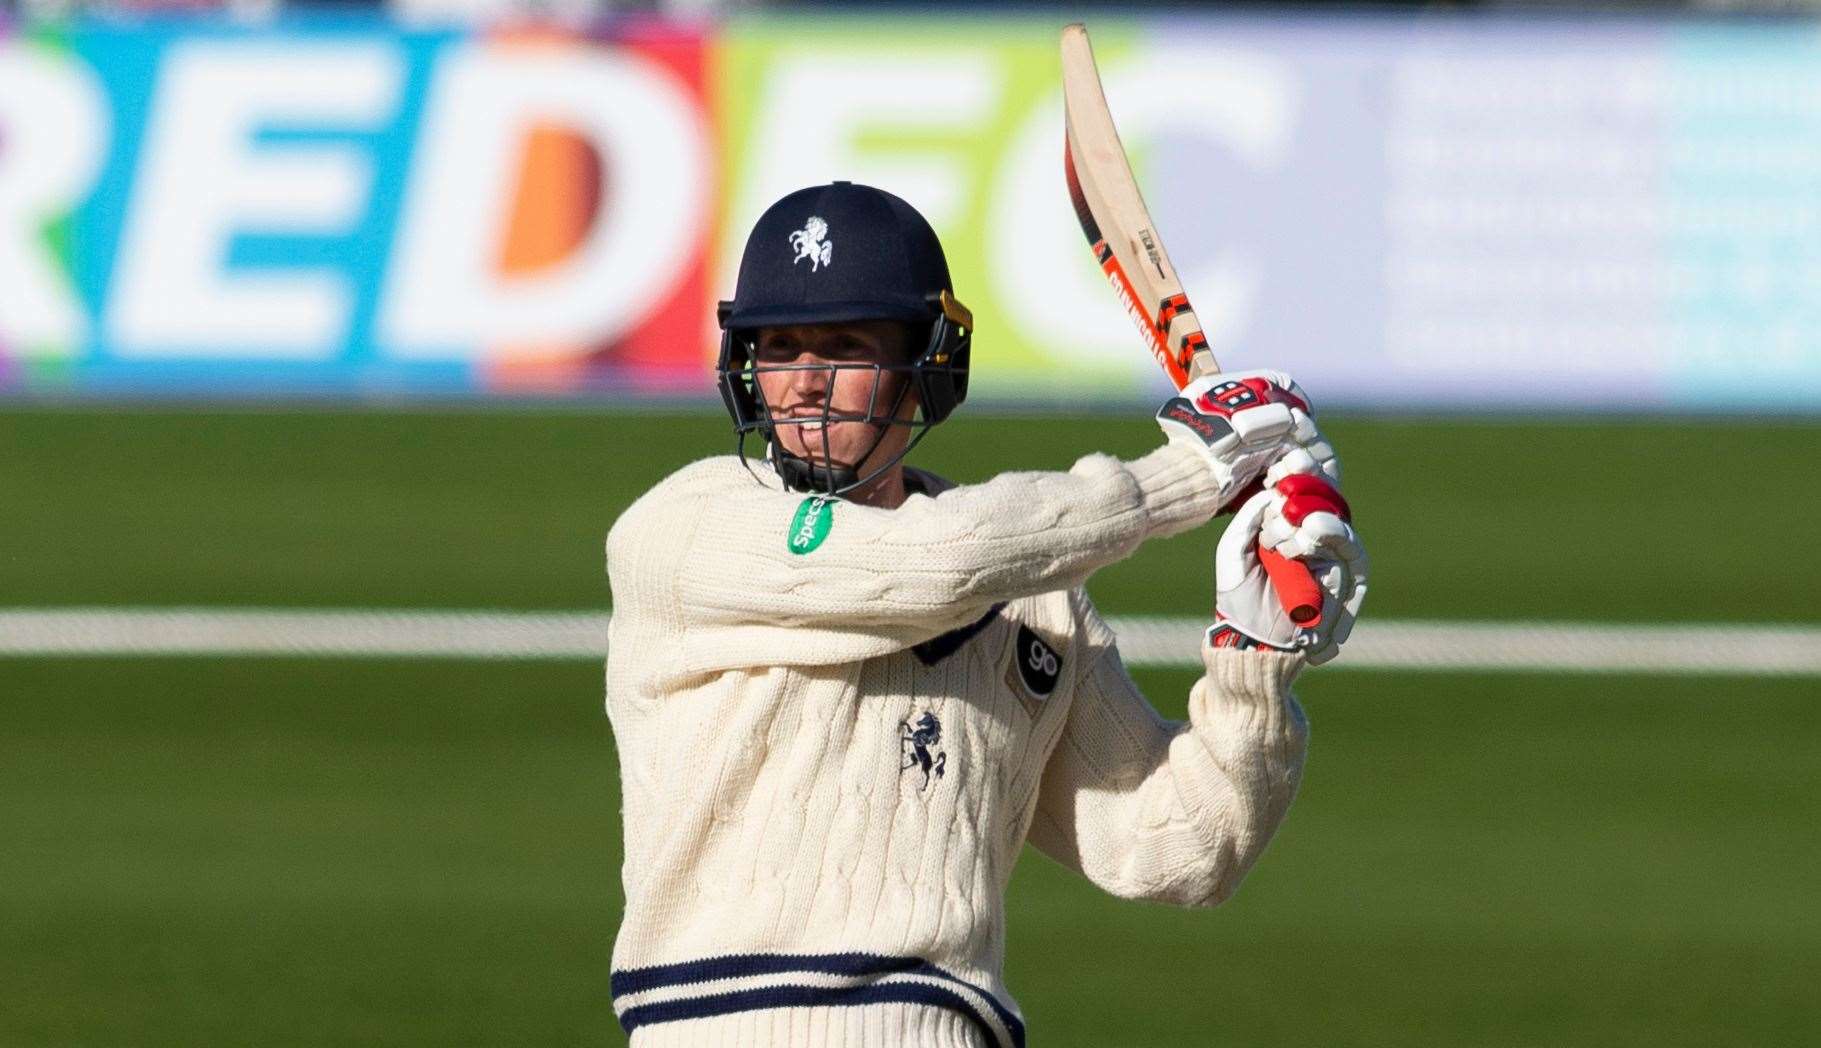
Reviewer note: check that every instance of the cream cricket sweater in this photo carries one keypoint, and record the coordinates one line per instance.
(838, 724)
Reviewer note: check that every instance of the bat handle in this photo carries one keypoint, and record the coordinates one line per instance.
(1296, 587)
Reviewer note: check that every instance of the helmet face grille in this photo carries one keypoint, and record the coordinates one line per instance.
(940, 387)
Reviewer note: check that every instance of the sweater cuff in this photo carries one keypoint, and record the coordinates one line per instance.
(1254, 684)
(1178, 490)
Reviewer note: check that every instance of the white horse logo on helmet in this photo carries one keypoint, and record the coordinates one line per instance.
(812, 242)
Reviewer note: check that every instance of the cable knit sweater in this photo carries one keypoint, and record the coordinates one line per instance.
(838, 724)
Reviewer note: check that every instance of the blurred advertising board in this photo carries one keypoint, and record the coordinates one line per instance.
(1527, 214)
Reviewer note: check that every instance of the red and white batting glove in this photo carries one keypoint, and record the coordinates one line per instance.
(1245, 423)
(1303, 517)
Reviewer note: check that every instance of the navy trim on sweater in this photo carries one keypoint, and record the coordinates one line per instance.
(860, 965)
(936, 649)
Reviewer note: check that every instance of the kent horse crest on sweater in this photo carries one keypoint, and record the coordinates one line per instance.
(831, 756)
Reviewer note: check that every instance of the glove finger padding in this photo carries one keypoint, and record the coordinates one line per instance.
(1343, 591)
(1309, 452)
(1309, 519)
(1320, 536)
(1243, 424)
(1303, 523)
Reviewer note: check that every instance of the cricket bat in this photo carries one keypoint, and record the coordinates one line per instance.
(1131, 254)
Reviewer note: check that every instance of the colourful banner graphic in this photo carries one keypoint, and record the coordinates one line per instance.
(1456, 213)
(344, 208)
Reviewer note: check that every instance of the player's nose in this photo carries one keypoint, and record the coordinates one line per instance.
(809, 377)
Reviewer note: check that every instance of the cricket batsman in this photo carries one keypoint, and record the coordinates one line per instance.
(846, 691)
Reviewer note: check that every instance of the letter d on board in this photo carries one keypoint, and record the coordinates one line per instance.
(445, 294)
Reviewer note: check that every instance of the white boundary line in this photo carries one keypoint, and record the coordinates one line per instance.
(1705, 648)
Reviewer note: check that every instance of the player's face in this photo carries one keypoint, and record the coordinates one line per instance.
(800, 377)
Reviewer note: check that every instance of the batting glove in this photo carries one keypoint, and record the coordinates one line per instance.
(1247, 423)
(1305, 518)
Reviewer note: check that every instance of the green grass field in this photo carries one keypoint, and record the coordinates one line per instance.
(324, 852)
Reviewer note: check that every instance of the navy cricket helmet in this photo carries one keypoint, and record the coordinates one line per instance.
(844, 253)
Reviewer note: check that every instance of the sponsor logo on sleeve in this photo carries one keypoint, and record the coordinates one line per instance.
(810, 526)
(1036, 667)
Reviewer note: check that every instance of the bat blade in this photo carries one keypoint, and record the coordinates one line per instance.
(1117, 224)
(1125, 242)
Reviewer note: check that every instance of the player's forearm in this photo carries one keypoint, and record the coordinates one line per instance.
(1032, 533)
(1182, 818)
(1179, 491)
(939, 561)
(1236, 769)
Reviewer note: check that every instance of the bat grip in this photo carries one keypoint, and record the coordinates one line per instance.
(1295, 586)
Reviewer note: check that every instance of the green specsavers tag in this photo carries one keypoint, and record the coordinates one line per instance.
(810, 526)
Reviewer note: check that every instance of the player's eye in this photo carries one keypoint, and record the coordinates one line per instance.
(776, 349)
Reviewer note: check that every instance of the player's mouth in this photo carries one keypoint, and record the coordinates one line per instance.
(808, 421)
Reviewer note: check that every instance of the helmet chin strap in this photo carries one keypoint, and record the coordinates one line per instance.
(800, 474)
